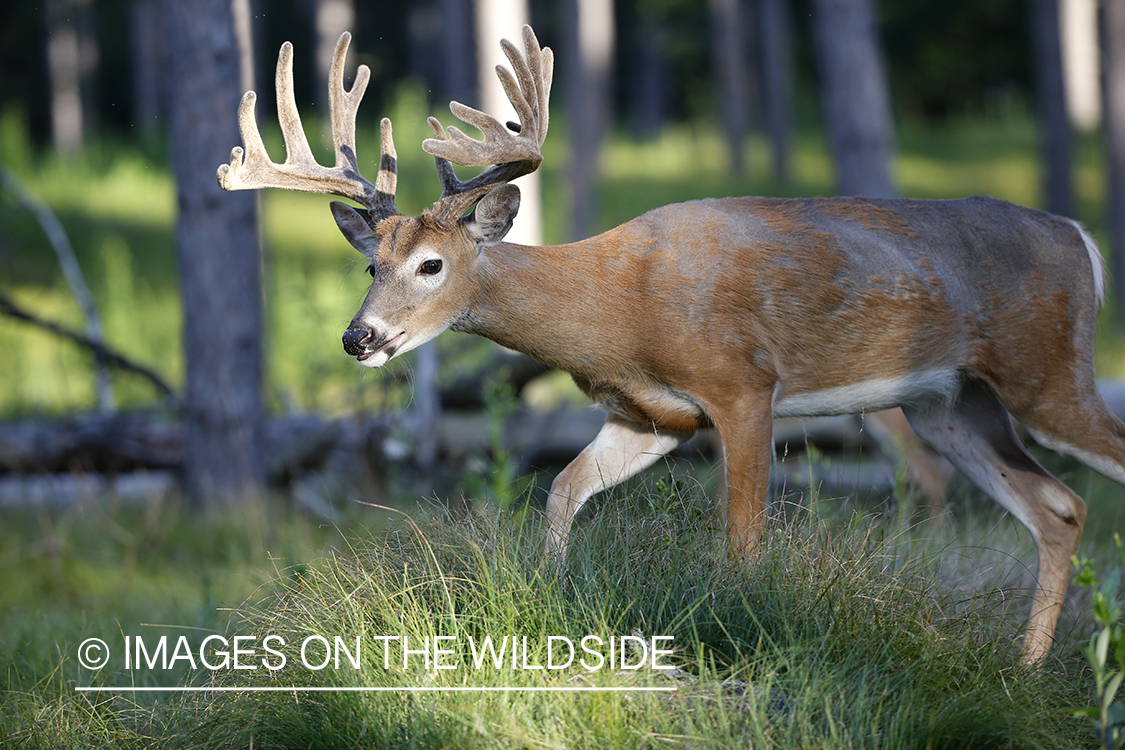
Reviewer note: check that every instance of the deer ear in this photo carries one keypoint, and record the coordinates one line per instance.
(355, 226)
(493, 215)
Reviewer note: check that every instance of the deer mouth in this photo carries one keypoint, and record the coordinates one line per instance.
(387, 347)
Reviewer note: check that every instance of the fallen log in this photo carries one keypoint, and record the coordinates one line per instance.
(63, 490)
(466, 391)
(300, 445)
(135, 441)
(105, 443)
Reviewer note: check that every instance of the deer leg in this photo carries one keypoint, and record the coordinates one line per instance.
(621, 450)
(929, 473)
(975, 433)
(1083, 428)
(746, 431)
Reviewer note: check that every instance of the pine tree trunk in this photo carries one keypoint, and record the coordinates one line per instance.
(731, 62)
(496, 20)
(1113, 44)
(854, 96)
(589, 32)
(1051, 96)
(775, 33)
(219, 260)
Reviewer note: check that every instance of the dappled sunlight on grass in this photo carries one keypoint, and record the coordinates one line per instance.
(681, 153)
(1012, 178)
(122, 186)
(842, 630)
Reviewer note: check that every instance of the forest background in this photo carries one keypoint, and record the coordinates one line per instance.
(168, 349)
(655, 101)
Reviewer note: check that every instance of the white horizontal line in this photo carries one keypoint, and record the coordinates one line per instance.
(299, 689)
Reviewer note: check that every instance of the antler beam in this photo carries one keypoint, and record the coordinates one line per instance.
(251, 168)
(510, 151)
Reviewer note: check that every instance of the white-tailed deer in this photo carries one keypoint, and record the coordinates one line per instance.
(725, 313)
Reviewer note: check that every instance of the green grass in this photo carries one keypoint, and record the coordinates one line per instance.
(99, 569)
(847, 631)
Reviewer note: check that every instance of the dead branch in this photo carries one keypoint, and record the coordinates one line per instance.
(72, 272)
(100, 350)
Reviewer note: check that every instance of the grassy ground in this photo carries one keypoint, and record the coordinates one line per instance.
(848, 631)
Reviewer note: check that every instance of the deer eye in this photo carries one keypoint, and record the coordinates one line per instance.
(371, 271)
(429, 267)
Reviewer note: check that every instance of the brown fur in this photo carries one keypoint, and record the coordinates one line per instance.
(712, 313)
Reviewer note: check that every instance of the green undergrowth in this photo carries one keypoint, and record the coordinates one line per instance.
(836, 634)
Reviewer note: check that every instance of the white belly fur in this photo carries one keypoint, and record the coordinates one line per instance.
(870, 395)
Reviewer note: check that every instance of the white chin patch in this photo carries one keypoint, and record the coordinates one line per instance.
(378, 359)
(390, 349)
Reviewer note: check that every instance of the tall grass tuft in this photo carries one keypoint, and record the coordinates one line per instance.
(825, 639)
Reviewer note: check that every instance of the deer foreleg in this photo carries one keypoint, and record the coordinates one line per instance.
(746, 431)
(620, 450)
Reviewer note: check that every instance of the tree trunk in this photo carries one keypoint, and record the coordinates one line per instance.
(589, 33)
(219, 260)
(148, 66)
(458, 69)
(775, 35)
(854, 96)
(426, 411)
(1078, 22)
(1113, 44)
(1051, 96)
(332, 18)
(64, 64)
(496, 20)
(646, 74)
(730, 62)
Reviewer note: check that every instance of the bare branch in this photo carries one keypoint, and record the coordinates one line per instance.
(104, 354)
(72, 272)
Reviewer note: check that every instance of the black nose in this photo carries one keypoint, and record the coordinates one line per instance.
(354, 339)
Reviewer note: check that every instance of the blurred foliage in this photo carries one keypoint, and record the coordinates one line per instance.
(940, 61)
(943, 62)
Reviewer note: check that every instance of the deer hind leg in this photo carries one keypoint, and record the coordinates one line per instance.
(975, 433)
(1076, 422)
(621, 450)
(929, 473)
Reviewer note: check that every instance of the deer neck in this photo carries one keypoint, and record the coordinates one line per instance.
(539, 301)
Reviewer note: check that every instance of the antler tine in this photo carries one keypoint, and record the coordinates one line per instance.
(386, 182)
(343, 105)
(545, 74)
(297, 149)
(252, 168)
(534, 82)
(510, 152)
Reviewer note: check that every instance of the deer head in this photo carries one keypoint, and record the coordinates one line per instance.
(420, 265)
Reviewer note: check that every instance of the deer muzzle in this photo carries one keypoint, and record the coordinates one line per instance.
(370, 350)
(355, 340)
